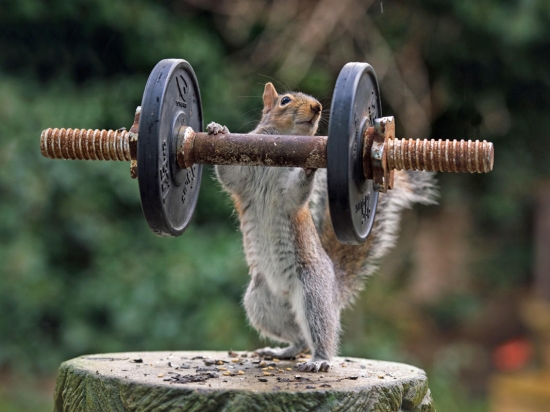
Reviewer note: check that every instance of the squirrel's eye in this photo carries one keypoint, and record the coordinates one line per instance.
(285, 100)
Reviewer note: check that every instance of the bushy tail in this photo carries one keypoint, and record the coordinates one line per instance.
(353, 264)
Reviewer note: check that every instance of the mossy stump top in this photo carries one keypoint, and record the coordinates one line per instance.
(235, 381)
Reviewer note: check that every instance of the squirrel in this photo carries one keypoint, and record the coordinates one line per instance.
(301, 277)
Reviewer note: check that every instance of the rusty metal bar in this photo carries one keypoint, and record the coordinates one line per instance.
(441, 155)
(254, 150)
(267, 150)
(81, 144)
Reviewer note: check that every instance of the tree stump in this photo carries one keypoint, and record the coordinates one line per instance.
(229, 381)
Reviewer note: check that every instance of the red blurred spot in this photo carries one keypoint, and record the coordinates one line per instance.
(513, 354)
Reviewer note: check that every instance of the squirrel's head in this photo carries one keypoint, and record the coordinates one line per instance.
(290, 113)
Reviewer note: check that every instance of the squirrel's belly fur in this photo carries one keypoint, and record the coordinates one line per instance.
(293, 295)
(277, 227)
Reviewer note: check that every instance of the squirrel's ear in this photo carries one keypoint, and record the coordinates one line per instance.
(270, 95)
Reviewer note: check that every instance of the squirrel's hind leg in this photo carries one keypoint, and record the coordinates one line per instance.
(273, 318)
(290, 352)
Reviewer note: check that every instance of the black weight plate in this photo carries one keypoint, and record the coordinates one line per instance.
(168, 193)
(352, 199)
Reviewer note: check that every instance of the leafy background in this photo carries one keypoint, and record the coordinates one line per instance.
(80, 271)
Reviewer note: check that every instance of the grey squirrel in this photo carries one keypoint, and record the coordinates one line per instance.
(301, 277)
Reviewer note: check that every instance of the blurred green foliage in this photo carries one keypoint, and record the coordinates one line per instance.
(80, 271)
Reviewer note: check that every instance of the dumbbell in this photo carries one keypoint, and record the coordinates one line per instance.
(167, 148)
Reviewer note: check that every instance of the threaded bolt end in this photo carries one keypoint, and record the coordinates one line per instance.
(81, 144)
(441, 155)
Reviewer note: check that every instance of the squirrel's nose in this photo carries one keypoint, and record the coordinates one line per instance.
(316, 108)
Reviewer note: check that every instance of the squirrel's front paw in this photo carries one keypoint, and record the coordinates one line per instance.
(313, 366)
(215, 128)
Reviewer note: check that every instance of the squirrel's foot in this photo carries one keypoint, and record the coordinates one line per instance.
(289, 352)
(309, 171)
(313, 366)
(215, 128)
